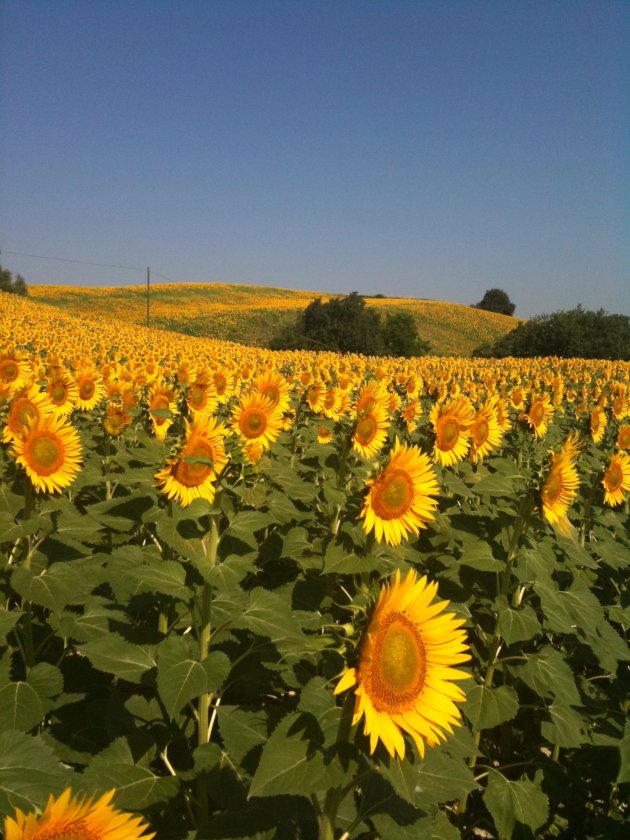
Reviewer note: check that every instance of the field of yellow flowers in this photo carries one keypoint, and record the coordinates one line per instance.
(291, 595)
(254, 314)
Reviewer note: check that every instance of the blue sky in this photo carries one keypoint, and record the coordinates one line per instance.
(421, 149)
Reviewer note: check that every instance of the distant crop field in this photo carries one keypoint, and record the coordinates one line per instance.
(302, 595)
(253, 314)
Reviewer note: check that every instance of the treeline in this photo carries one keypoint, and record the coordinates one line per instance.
(346, 325)
(15, 286)
(574, 333)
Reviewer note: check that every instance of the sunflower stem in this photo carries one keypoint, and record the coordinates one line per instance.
(334, 796)
(587, 510)
(205, 634)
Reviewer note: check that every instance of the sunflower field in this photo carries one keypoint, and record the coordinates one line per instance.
(265, 595)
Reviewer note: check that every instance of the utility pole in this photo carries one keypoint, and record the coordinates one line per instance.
(148, 292)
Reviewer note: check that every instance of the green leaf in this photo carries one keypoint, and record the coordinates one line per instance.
(29, 773)
(547, 673)
(247, 522)
(46, 679)
(478, 555)
(20, 707)
(136, 787)
(565, 728)
(8, 620)
(168, 577)
(516, 625)
(267, 614)
(436, 778)
(339, 560)
(217, 666)
(515, 802)
(115, 655)
(242, 730)
(624, 754)
(179, 677)
(289, 764)
(54, 588)
(488, 707)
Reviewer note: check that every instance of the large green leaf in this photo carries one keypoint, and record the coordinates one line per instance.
(290, 763)
(516, 625)
(180, 678)
(488, 707)
(548, 674)
(29, 773)
(623, 776)
(435, 779)
(20, 707)
(515, 802)
(117, 656)
(566, 727)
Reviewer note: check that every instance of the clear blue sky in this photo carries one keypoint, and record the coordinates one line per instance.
(421, 149)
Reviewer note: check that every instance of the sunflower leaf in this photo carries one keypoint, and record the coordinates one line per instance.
(515, 802)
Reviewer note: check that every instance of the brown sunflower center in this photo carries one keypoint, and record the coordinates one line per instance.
(193, 473)
(366, 430)
(23, 412)
(197, 397)
(160, 401)
(624, 438)
(70, 831)
(537, 413)
(398, 667)
(220, 383)
(392, 495)
(595, 421)
(57, 392)
(86, 389)
(614, 477)
(45, 453)
(253, 423)
(552, 488)
(480, 431)
(447, 433)
(9, 370)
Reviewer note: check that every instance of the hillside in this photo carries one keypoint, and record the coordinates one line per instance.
(252, 314)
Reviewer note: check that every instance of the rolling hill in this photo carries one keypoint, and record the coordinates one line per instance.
(253, 314)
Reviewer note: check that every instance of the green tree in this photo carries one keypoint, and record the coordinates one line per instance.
(347, 325)
(575, 333)
(8, 284)
(400, 336)
(343, 324)
(496, 300)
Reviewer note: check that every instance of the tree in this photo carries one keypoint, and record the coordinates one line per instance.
(576, 333)
(496, 300)
(347, 325)
(8, 284)
(400, 336)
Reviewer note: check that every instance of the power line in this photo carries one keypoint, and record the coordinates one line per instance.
(76, 262)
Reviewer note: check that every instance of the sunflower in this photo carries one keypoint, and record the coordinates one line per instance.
(410, 415)
(404, 680)
(116, 418)
(623, 438)
(324, 435)
(485, 431)
(75, 818)
(50, 452)
(26, 406)
(192, 474)
(599, 421)
(162, 402)
(224, 383)
(90, 387)
(370, 433)
(540, 413)
(616, 479)
(334, 403)
(561, 484)
(200, 398)
(276, 388)
(370, 396)
(63, 392)
(399, 499)
(15, 370)
(620, 406)
(256, 421)
(451, 422)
